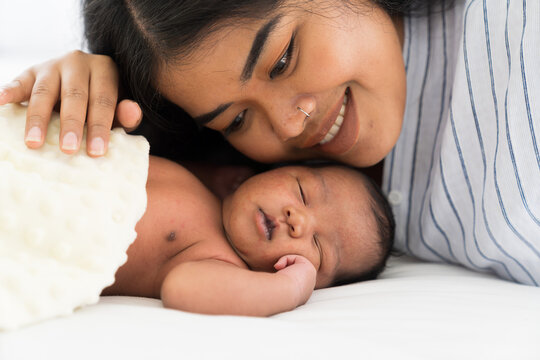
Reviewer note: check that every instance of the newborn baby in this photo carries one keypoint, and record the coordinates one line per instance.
(281, 234)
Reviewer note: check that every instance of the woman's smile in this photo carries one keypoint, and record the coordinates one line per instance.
(338, 132)
(343, 134)
(337, 124)
(328, 124)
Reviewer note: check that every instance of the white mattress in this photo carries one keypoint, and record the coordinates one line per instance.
(414, 311)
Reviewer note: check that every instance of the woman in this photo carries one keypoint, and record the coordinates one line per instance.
(449, 100)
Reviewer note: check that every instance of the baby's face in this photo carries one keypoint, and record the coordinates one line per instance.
(323, 214)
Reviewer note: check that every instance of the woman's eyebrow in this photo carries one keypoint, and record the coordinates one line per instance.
(257, 47)
(204, 119)
(254, 54)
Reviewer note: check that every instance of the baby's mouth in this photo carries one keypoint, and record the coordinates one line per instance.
(268, 225)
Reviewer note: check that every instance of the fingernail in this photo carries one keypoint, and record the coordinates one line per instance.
(139, 112)
(4, 88)
(97, 147)
(3, 94)
(70, 141)
(34, 135)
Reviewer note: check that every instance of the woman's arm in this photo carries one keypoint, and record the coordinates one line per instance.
(217, 287)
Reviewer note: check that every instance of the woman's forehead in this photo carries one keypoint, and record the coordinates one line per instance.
(214, 66)
(216, 62)
(236, 28)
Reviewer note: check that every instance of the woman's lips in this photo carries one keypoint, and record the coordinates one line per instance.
(345, 139)
(265, 224)
(325, 125)
(347, 133)
(336, 126)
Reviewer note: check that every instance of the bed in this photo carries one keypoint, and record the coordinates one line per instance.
(415, 310)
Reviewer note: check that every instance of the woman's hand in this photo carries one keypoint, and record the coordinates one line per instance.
(86, 86)
(301, 271)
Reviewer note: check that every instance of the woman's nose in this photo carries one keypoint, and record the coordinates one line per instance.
(298, 221)
(290, 121)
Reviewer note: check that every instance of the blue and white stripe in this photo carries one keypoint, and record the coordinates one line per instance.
(464, 177)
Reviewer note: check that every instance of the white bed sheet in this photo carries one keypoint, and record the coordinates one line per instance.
(414, 311)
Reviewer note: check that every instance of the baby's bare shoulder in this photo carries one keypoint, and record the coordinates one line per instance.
(164, 170)
(174, 185)
(180, 203)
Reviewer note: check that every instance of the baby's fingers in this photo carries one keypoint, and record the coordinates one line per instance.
(288, 260)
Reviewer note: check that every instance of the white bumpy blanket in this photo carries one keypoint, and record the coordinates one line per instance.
(66, 221)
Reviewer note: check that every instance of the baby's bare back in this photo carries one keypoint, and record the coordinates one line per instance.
(182, 223)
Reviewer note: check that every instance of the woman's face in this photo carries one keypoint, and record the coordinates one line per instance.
(343, 67)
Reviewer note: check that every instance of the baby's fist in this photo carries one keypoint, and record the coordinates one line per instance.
(301, 271)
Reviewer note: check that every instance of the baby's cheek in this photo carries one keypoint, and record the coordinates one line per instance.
(315, 259)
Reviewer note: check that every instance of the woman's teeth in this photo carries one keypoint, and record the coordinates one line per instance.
(337, 124)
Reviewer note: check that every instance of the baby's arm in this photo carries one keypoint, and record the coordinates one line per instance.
(217, 287)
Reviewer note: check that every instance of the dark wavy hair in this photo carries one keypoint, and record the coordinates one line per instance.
(139, 35)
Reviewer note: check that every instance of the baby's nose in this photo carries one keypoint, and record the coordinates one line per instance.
(297, 221)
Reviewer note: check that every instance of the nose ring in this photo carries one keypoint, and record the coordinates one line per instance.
(302, 110)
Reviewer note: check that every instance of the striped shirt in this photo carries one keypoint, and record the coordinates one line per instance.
(464, 176)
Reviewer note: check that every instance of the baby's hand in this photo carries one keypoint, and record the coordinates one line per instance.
(86, 86)
(301, 271)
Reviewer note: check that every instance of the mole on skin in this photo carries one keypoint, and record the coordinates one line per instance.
(171, 236)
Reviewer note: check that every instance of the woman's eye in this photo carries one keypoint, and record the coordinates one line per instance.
(284, 61)
(302, 196)
(236, 124)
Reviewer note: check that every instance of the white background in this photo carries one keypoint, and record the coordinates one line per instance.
(33, 31)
